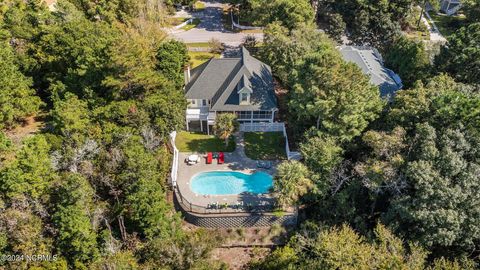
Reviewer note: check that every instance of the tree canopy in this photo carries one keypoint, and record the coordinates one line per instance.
(17, 97)
(461, 56)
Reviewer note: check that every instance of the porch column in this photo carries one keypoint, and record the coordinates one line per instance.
(187, 122)
(251, 117)
(201, 124)
(208, 128)
(273, 116)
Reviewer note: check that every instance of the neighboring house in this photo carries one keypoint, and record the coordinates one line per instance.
(450, 7)
(243, 86)
(371, 63)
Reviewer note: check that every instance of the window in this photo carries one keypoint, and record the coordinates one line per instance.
(244, 115)
(262, 115)
(204, 102)
(193, 101)
(243, 97)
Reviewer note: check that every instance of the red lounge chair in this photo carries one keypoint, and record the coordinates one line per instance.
(209, 158)
(221, 158)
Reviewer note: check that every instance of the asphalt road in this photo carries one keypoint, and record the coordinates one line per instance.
(211, 27)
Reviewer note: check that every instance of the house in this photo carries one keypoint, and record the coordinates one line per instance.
(450, 7)
(371, 63)
(242, 85)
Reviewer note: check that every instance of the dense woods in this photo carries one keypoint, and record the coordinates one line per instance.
(384, 184)
(91, 186)
(410, 163)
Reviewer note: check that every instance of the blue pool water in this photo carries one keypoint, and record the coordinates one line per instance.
(224, 183)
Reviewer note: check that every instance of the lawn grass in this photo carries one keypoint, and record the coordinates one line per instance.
(199, 6)
(198, 45)
(198, 58)
(191, 25)
(201, 143)
(265, 145)
(447, 25)
(174, 21)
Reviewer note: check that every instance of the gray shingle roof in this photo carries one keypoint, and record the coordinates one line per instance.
(371, 64)
(217, 81)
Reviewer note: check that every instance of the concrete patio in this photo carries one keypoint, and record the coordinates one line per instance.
(234, 161)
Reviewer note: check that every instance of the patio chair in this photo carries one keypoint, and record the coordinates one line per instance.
(221, 158)
(209, 157)
(268, 165)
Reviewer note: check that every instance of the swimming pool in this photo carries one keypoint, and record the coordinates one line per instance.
(229, 183)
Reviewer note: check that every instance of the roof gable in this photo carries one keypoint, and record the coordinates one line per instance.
(371, 63)
(221, 81)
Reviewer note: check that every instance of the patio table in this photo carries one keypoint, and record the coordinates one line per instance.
(192, 159)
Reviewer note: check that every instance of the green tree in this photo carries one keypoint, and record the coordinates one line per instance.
(225, 125)
(30, 173)
(412, 106)
(73, 51)
(460, 56)
(323, 96)
(292, 181)
(172, 57)
(5, 146)
(119, 260)
(283, 49)
(472, 10)
(380, 171)
(409, 59)
(23, 232)
(133, 63)
(336, 27)
(72, 218)
(145, 199)
(443, 163)
(290, 14)
(166, 111)
(149, 210)
(321, 155)
(70, 115)
(343, 248)
(189, 251)
(17, 98)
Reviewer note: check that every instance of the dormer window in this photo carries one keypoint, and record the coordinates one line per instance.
(244, 98)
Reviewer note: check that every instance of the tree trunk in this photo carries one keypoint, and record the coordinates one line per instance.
(421, 13)
(318, 122)
(121, 225)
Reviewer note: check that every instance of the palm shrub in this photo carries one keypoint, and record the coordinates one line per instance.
(225, 125)
(291, 182)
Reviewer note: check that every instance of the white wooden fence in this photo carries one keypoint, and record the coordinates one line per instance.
(189, 21)
(243, 27)
(174, 172)
(262, 127)
(271, 127)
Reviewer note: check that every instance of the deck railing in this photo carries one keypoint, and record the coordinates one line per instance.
(223, 208)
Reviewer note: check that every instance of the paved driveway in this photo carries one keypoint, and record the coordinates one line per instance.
(211, 27)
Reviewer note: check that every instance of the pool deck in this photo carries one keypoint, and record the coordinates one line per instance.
(234, 161)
